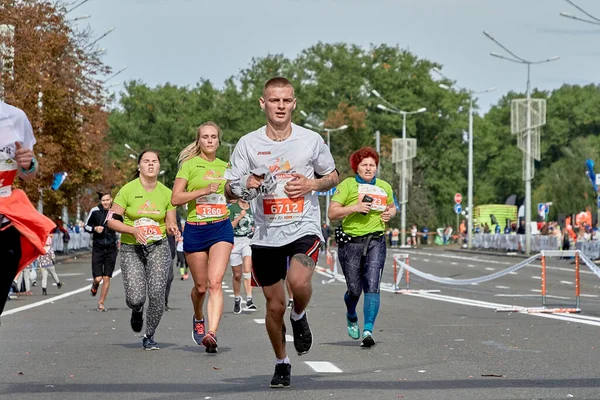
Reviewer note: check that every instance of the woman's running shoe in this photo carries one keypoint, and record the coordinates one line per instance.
(367, 340)
(149, 344)
(198, 331)
(353, 329)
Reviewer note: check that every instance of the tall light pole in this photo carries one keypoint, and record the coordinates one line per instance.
(394, 110)
(592, 20)
(527, 156)
(470, 173)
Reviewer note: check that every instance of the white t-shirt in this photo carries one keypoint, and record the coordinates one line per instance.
(14, 127)
(279, 220)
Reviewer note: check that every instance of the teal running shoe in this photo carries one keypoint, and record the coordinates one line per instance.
(353, 329)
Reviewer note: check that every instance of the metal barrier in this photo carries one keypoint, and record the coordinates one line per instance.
(514, 242)
(78, 241)
(590, 249)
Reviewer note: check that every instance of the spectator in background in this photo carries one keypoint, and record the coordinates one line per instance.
(497, 230)
(486, 228)
(521, 230)
(425, 239)
(395, 237)
(326, 231)
(46, 264)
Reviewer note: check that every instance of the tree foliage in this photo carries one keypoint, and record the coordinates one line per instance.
(54, 78)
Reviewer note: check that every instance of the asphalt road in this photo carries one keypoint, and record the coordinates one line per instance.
(451, 345)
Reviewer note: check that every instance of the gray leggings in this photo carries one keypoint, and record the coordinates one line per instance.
(146, 269)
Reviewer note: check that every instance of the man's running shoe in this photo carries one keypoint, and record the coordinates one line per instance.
(367, 340)
(167, 308)
(250, 306)
(149, 344)
(210, 342)
(282, 376)
(137, 320)
(290, 304)
(353, 329)
(237, 305)
(198, 331)
(302, 335)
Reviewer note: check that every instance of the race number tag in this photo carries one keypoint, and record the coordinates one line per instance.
(150, 228)
(278, 207)
(378, 194)
(211, 206)
(8, 172)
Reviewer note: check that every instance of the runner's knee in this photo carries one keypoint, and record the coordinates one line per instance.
(276, 308)
(215, 285)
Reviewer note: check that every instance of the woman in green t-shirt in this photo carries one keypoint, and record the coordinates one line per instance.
(366, 204)
(143, 214)
(208, 234)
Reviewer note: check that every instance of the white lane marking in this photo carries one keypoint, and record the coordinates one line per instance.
(453, 263)
(470, 266)
(73, 274)
(531, 295)
(225, 287)
(502, 287)
(231, 295)
(260, 321)
(513, 273)
(536, 277)
(426, 259)
(536, 290)
(228, 291)
(289, 338)
(490, 269)
(589, 295)
(566, 282)
(323, 366)
(52, 299)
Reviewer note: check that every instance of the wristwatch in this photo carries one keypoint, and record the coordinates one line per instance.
(31, 168)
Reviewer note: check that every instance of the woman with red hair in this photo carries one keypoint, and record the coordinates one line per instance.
(366, 204)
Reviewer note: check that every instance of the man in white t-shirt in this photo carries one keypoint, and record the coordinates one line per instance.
(287, 220)
(16, 159)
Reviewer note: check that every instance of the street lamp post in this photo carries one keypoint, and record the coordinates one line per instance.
(527, 156)
(470, 167)
(394, 110)
(328, 131)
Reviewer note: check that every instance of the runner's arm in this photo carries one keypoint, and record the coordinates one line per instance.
(339, 211)
(115, 220)
(327, 182)
(181, 197)
(171, 223)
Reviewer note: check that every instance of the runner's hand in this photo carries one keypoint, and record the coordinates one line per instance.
(254, 181)
(23, 156)
(298, 187)
(386, 215)
(362, 207)
(139, 236)
(173, 231)
(242, 213)
(212, 188)
(99, 229)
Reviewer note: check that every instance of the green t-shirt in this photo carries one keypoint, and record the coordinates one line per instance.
(199, 173)
(143, 209)
(245, 224)
(349, 192)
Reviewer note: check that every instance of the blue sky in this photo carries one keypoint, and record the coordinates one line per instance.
(182, 41)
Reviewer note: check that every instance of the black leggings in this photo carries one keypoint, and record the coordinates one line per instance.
(10, 254)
